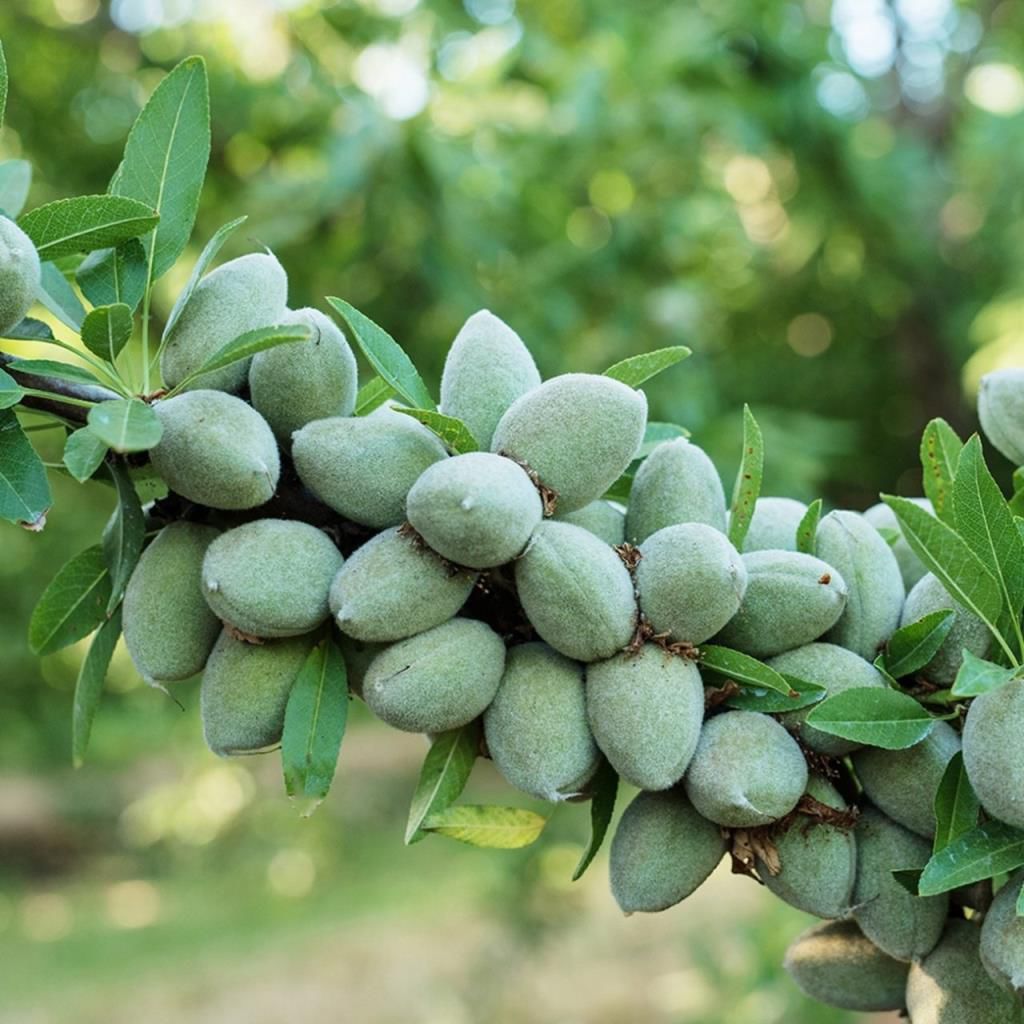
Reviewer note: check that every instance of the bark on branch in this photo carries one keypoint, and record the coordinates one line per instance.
(65, 410)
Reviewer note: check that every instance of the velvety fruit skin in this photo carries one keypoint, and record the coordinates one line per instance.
(292, 385)
(488, 367)
(245, 691)
(950, 986)
(536, 727)
(791, 599)
(1002, 938)
(393, 587)
(576, 592)
(19, 274)
(746, 771)
(881, 517)
(169, 629)
(1001, 411)
(216, 450)
(645, 711)
(774, 524)
(903, 783)
(676, 483)
(270, 577)
(577, 432)
(363, 466)
(929, 595)
(903, 926)
(602, 519)
(818, 859)
(836, 669)
(835, 964)
(690, 581)
(436, 680)
(662, 851)
(476, 509)
(239, 296)
(993, 740)
(874, 602)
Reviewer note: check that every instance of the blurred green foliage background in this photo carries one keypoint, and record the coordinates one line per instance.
(820, 198)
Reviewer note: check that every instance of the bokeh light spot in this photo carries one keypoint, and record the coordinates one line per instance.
(809, 334)
(996, 88)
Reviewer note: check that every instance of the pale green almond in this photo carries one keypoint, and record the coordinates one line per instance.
(19, 274)
(602, 518)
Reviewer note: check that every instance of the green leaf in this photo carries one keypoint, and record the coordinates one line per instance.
(10, 391)
(977, 676)
(107, 329)
(748, 480)
(123, 537)
(452, 431)
(30, 330)
(940, 452)
(314, 725)
(83, 454)
(372, 395)
(802, 694)
(637, 369)
(909, 878)
(246, 345)
(59, 297)
(15, 181)
(385, 355)
(985, 522)
(911, 647)
(206, 257)
(956, 804)
(56, 368)
(620, 490)
(659, 433)
(85, 223)
(73, 605)
(807, 529)
(604, 789)
(443, 777)
(165, 160)
(947, 555)
(89, 687)
(126, 425)
(985, 851)
(116, 275)
(24, 489)
(498, 828)
(742, 668)
(876, 716)
(3, 84)
(890, 534)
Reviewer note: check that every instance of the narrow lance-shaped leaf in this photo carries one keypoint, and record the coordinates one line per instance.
(620, 490)
(452, 431)
(1017, 501)
(15, 182)
(24, 489)
(498, 828)
(165, 160)
(742, 668)
(107, 329)
(3, 84)
(947, 555)
(89, 687)
(126, 425)
(206, 257)
(940, 452)
(124, 535)
(443, 777)
(987, 850)
(59, 297)
(73, 605)
(802, 694)
(912, 646)
(637, 369)
(372, 395)
(29, 330)
(807, 529)
(116, 275)
(83, 454)
(875, 716)
(314, 724)
(85, 223)
(58, 369)
(604, 789)
(977, 676)
(956, 804)
(748, 480)
(10, 391)
(384, 354)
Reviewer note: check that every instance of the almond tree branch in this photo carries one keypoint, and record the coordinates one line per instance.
(65, 410)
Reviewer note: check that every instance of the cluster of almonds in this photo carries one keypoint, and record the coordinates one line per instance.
(499, 585)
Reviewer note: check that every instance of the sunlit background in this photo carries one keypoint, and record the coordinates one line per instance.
(821, 199)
